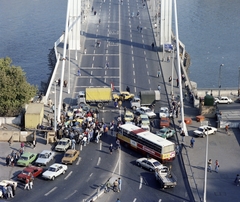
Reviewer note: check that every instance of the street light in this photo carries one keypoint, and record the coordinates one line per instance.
(238, 81)
(219, 79)
(55, 108)
(205, 174)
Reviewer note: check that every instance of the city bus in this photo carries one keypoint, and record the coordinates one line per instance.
(146, 143)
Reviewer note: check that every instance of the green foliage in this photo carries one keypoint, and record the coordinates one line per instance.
(15, 91)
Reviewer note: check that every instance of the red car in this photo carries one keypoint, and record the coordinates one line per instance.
(164, 122)
(28, 172)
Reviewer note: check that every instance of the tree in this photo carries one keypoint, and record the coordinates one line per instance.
(15, 91)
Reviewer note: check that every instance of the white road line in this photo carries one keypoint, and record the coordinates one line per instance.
(141, 180)
(132, 51)
(146, 59)
(149, 80)
(160, 200)
(134, 81)
(50, 191)
(89, 177)
(81, 147)
(105, 72)
(92, 65)
(135, 200)
(131, 46)
(131, 35)
(91, 72)
(68, 175)
(148, 73)
(78, 161)
(131, 40)
(143, 42)
(100, 145)
(133, 72)
(70, 195)
(144, 52)
(133, 65)
(94, 51)
(135, 89)
(90, 80)
(146, 66)
(132, 58)
(99, 161)
(93, 58)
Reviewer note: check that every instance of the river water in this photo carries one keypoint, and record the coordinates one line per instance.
(209, 30)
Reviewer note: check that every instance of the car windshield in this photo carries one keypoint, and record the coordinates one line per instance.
(200, 129)
(43, 156)
(25, 173)
(23, 158)
(128, 116)
(147, 110)
(68, 155)
(52, 169)
(156, 163)
(144, 119)
(62, 143)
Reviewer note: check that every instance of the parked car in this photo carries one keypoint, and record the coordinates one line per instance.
(70, 156)
(147, 111)
(165, 133)
(54, 171)
(29, 172)
(164, 122)
(26, 158)
(44, 157)
(149, 163)
(123, 95)
(128, 116)
(63, 144)
(202, 131)
(164, 112)
(223, 100)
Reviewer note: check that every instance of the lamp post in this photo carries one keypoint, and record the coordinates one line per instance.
(205, 174)
(238, 81)
(55, 109)
(172, 71)
(219, 79)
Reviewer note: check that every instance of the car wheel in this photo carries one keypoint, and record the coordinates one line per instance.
(138, 164)
(63, 172)
(53, 178)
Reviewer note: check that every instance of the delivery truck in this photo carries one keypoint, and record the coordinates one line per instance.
(145, 98)
(95, 96)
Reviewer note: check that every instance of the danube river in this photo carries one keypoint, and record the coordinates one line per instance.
(209, 29)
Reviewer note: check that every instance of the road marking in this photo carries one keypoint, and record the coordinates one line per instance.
(91, 72)
(141, 180)
(131, 40)
(79, 159)
(146, 66)
(89, 177)
(70, 195)
(133, 65)
(160, 200)
(132, 58)
(68, 175)
(133, 72)
(99, 161)
(144, 52)
(147, 73)
(81, 147)
(134, 81)
(105, 72)
(149, 80)
(100, 145)
(93, 58)
(90, 80)
(135, 200)
(50, 191)
(132, 51)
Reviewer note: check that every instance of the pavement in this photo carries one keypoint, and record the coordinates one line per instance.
(221, 147)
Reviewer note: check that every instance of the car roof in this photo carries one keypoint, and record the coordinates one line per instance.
(148, 159)
(56, 165)
(70, 151)
(144, 108)
(27, 154)
(64, 139)
(46, 152)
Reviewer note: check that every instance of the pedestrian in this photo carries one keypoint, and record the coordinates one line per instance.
(51, 120)
(115, 186)
(210, 165)
(170, 79)
(237, 180)
(216, 166)
(107, 65)
(226, 129)
(177, 82)
(10, 191)
(92, 8)
(158, 73)
(152, 45)
(22, 145)
(10, 141)
(53, 108)
(8, 158)
(128, 89)
(59, 82)
(48, 119)
(95, 12)
(138, 27)
(177, 111)
(192, 141)
(177, 149)
(65, 83)
(183, 78)
(99, 21)
(159, 88)
(26, 184)
(79, 72)
(119, 184)
(73, 141)
(137, 13)
(64, 106)
(85, 51)
(31, 183)
(34, 144)
(118, 144)
(182, 134)
(12, 160)
(111, 148)
(50, 103)
(112, 126)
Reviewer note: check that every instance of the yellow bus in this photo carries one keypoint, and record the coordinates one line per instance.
(146, 143)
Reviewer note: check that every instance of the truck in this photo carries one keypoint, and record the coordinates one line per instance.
(95, 96)
(166, 178)
(145, 98)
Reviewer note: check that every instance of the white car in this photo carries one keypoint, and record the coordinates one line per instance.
(149, 163)
(223, 100)
(145, 120)
(54, 170)
(44, 158)
(147, 111)
(63, 144)
(202, 131)
(164, 112)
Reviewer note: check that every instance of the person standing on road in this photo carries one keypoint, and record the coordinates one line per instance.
(159, 88)
(210, 165)
(226, 129)
(177, 82)
(183, 135)
(237, 180)
(158, 73)
(192, 141)
(107, 65)
(128, 89)
(119, 184)
(216, 166)
(26, 184)
(152, 45)
(99, 21)
(111, 148)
